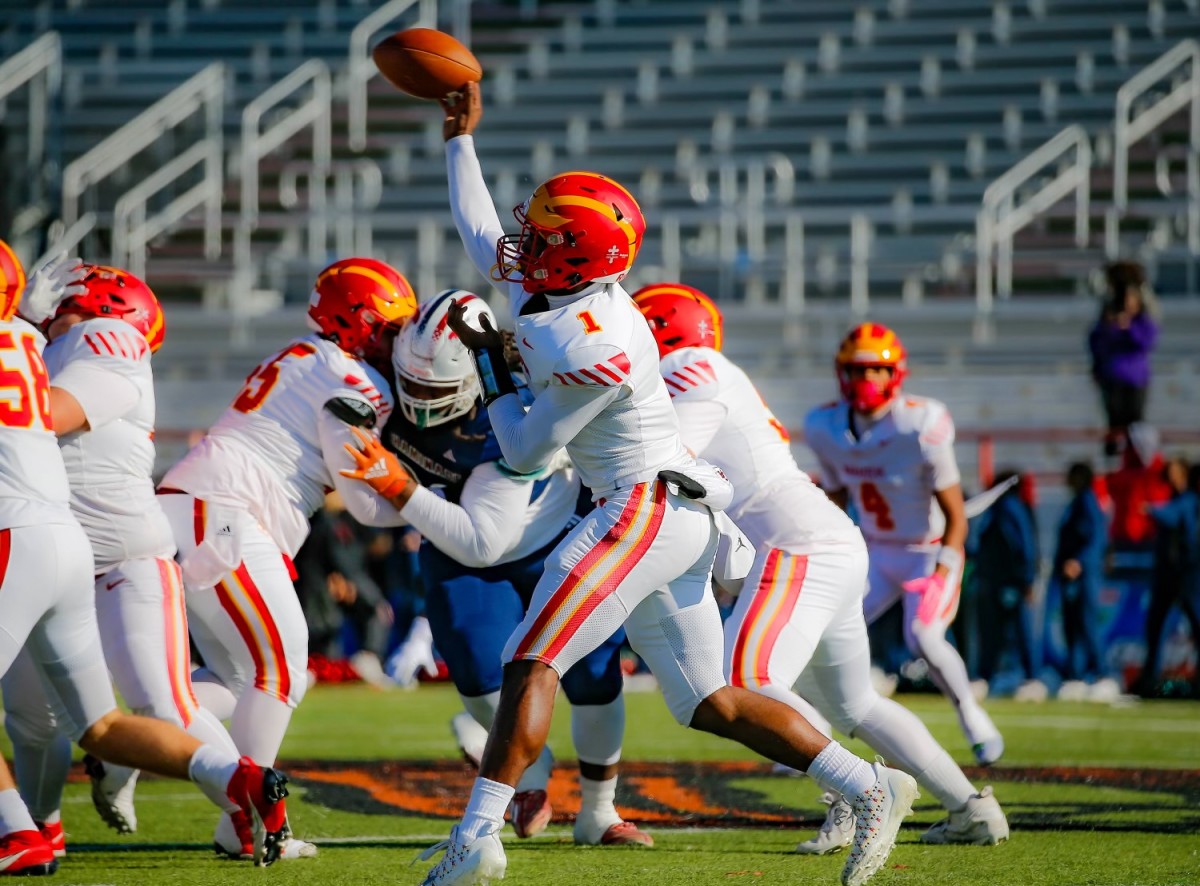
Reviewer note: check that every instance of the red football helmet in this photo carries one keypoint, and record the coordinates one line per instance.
(680, 317)
(577, 228)
(871, 345)
(361, 304)
(112, 292)
(12, 281)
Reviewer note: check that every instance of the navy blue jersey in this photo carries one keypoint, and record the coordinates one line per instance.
(442, 457)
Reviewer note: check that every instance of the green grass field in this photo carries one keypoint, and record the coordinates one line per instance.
(1136, 827)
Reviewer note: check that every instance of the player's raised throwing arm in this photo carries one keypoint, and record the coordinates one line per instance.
(474, 212)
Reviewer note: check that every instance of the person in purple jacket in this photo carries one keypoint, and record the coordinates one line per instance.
(1120, 344)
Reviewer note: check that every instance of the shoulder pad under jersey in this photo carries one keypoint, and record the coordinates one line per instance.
(599, 366)
(690, 373)
(354, 412)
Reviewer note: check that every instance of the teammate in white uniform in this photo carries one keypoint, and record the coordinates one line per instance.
(644, 556)
(46, 598)
(99, 364)
(894, 453)
(799, 620)
(239, 503)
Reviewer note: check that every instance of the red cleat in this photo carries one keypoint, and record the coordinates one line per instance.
(626, 833)
(235, 837)
(26, 854)
(54, 835)
(258, 790)
(531, 812)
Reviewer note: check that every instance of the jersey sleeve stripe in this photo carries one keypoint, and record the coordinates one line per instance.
(91, 344)
(609, 372)
(621, 362)
(674, 384)
(595, 378)
(562, 379)
(5, 551)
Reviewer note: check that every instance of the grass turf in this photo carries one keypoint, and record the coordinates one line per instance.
(1063, 833)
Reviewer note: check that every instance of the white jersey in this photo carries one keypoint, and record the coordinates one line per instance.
(277, 450)
(596, 341)
(33, 483)
(892, 467)
(724, 420)
(105, 365)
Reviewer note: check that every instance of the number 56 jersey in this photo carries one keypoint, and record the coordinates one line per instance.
(892, 467)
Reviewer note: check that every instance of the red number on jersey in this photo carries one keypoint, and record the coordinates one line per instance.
(263, 378)
(876, 505)
(23, 413)
(589, 322)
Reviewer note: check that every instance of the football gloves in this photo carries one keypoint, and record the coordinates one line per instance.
(53, 280)
(379, 469)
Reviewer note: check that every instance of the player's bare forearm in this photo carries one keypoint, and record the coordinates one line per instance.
(950, 500)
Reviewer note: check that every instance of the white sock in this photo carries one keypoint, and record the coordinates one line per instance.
(946, 781)
(597, 809)
(53, 818)
(211, 768)
(258, 725)
(213, 695)
(482, 707)
(537, 776)
(904, 741)
(207, 728)
(485, 810)
(836, 769)
(41, 771)
(13, 814)
(597, 730)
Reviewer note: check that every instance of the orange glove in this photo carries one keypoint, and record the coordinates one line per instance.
(379, 469)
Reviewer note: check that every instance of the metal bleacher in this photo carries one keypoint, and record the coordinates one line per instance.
(803, 162)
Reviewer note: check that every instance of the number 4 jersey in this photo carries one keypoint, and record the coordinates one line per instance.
(33, 482)
(891, 466)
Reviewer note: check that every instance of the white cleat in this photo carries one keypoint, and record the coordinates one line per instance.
(1073, 690)
(470, 736)
(979, 823)
(1104, 691)
(112, 793)
(837, 831)
(291, 849)
(878, 812)
(473, 864)
(1034, 691)
(986, 742)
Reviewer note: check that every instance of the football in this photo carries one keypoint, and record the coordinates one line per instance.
(426, 63)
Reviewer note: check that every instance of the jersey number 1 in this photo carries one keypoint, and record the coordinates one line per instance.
(27, 402)
(589, 322)
(876, 505)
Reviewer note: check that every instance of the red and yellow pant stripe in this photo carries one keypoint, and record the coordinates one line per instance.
(775, 598)
(175, 633)
(597, 575)
(244, 604)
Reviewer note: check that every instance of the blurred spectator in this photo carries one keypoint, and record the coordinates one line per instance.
(1077, 570)
(336, 591)
(1120, 344)
(1134, 486)
(1003, 545)
(1176, 564)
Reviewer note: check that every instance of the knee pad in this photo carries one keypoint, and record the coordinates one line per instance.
(685, 650)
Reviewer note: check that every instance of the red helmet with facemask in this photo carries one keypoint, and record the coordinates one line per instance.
(115, 293)
(680, 317)
(870, 345)
(361, 304)
(577, 228)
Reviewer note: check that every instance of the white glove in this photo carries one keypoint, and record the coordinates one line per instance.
(54, 279)
(414, 655)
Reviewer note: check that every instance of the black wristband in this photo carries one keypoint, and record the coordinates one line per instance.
(494, 378)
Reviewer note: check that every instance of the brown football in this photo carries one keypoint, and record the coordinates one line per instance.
(426, 63)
